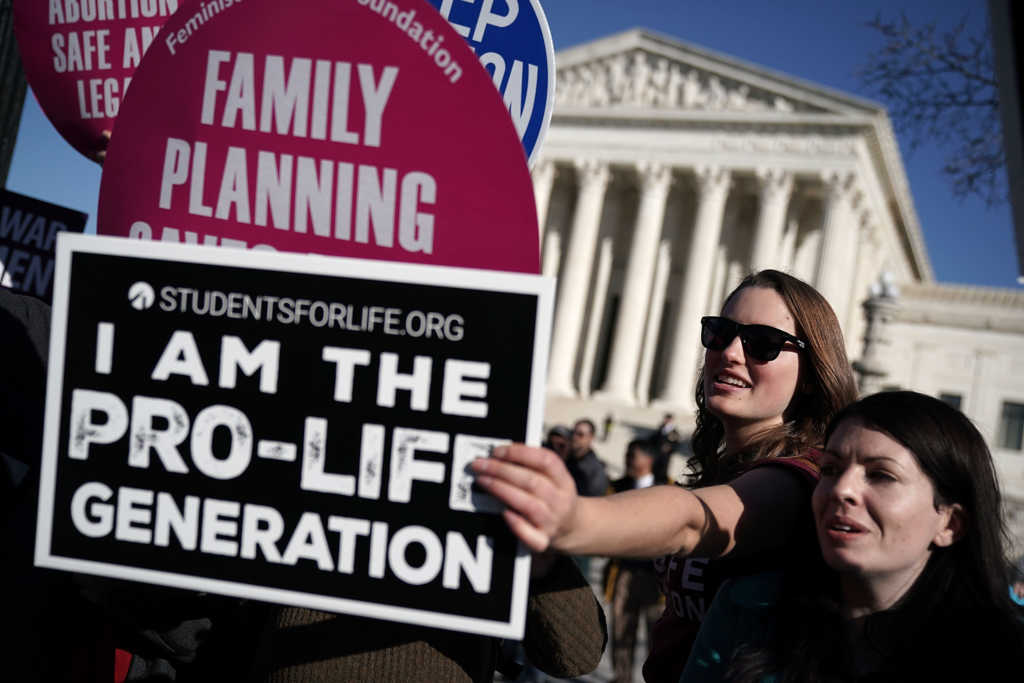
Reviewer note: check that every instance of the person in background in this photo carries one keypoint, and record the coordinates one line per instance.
(609, 423)
(587, 472)
(631, 587)
(775, 373)
(584, 466)
(39, 646)
(665, 440)
(908, 519)
(558, 440)
(59, 634)
(667, 426)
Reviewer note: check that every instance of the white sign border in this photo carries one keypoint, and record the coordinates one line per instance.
(482, 280)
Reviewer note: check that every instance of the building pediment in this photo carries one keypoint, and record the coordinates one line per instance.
(644, 80)
(641, 70)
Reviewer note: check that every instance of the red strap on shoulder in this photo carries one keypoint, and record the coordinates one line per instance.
(807, 464)
(122, 662)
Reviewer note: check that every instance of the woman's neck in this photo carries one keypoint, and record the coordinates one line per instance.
(863, 595)
(739, 437)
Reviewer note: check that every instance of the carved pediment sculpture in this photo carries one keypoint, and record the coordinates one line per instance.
(641, 79)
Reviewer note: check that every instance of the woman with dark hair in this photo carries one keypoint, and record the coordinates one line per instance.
(775, 372)
(914, 582)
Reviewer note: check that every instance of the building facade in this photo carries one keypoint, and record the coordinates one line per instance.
(669, 172)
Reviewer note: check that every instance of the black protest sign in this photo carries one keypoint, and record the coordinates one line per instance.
(28, 233)
(296, 429)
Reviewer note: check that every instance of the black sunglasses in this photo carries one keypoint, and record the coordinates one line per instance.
(760, 342)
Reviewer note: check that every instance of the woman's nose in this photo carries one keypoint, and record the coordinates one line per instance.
(846, 486)
(734, 351)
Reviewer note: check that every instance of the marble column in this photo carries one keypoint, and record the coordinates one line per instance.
(838, 230)
(620, 385)
(862, 276)
(551, 256)
(543, 176)
(662, 269)
(719, 273)
(713, 185)
(735, 273)
(787, 249)
(723, 255)
(603, 276)
(574, 284)
(774, 188)
(805, 259)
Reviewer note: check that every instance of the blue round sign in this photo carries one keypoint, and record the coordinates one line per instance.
(513, 42)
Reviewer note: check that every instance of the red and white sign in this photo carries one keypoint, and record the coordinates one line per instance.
(79, 57)
(362, 128)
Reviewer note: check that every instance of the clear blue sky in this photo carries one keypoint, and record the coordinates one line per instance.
(822, 42)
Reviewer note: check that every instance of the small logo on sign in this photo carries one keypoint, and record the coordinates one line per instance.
(141, 296)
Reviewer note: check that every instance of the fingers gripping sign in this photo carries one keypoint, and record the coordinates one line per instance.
(538, 490)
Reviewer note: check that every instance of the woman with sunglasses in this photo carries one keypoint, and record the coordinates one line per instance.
(910, 583)
(775, 372)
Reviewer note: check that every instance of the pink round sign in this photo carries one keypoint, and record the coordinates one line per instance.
(79, 57)
(362, 128)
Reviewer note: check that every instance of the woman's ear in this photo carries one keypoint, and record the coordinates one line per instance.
(953, 527)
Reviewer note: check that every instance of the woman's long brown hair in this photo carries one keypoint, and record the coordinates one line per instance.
(826, 385)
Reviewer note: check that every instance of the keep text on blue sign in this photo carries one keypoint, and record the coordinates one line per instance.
(513, 42)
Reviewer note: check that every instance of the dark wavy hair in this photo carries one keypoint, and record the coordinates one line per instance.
(826, 385)
(952, 452)
(960, 596)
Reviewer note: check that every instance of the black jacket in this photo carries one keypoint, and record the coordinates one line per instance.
(589, 475)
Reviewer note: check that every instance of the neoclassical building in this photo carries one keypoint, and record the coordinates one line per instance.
(670, 171)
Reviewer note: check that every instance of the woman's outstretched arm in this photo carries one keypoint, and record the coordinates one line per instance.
(755, 511)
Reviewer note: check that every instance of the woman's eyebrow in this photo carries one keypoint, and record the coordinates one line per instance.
(879, 458)
(836, 455)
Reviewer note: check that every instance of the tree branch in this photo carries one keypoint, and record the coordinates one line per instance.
(941, 88)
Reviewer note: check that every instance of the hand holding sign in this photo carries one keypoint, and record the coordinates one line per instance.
(538, 490)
